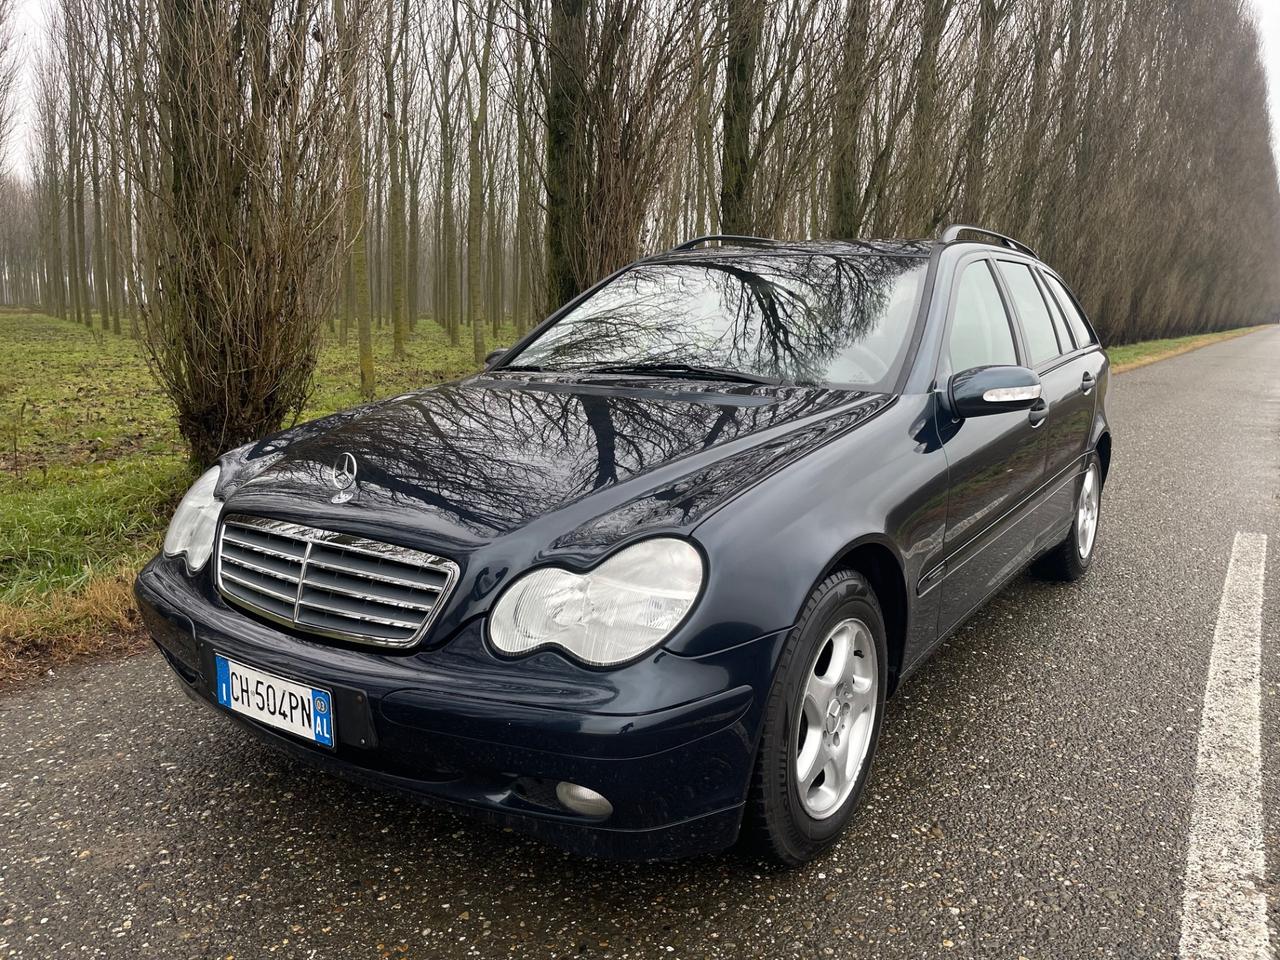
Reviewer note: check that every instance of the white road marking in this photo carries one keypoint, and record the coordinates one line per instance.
(1224, 907)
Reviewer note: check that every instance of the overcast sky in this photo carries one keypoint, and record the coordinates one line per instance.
(1269, 25)
(31, 20)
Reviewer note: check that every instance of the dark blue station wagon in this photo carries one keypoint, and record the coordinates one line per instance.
(642, 586)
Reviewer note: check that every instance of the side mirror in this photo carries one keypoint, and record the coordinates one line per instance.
(986, 390)
(491, 357)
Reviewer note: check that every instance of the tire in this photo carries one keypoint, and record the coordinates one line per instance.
(788, 819)
(1070, 560)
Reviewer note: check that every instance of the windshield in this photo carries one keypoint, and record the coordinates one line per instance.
(799, 318)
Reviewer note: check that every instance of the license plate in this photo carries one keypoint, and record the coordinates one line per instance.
(297, 708)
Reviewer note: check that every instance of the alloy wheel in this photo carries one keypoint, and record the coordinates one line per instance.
(836, 718)
(1087, 512)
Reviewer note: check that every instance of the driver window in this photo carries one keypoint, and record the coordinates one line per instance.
(980, 331)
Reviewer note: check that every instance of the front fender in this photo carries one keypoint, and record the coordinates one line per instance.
(886, 481)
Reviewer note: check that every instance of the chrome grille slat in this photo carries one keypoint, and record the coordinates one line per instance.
(245, 581)
(261, 564)
(269, 551)
(328, 624)
(392, 596)
(372, 575)
(331, 584)
(262, 603)
(364, 616)
(369, 551)
(275, 545)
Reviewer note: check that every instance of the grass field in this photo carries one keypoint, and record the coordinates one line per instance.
(91, 468)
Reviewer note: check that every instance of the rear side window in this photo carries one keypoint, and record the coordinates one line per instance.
(1059, 321)
(1037, 324)
(1079, 329)
(980, 332)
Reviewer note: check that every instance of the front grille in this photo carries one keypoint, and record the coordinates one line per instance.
(331, 584)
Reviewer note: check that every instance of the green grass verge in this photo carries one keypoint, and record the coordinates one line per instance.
(1133, 355)
(64, 526)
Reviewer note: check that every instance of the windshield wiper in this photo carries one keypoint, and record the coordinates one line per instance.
(684, 370)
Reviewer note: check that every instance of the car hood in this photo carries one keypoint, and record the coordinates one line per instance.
(567, 463)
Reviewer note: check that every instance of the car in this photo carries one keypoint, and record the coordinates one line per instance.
(642, 586)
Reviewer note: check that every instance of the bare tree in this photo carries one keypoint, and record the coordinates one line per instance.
(241, 204)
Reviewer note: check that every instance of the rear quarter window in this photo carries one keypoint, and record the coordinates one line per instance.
(1079, 329)
(1037, 324)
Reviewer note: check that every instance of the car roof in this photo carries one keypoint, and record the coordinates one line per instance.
(830, 248)
(720, 246)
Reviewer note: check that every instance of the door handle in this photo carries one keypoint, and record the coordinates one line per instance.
(1037, 413)
(1086, 383)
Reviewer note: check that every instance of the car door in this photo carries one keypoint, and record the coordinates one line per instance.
(1068, 381)
(994, 462)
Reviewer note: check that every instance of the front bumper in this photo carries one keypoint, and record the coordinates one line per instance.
(669, 740)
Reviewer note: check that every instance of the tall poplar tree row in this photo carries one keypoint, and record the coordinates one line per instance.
(493, 159)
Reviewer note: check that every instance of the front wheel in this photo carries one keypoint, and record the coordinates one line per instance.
(1070, 559)
(822, 722)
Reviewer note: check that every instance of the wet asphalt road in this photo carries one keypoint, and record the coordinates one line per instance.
(1031, 798)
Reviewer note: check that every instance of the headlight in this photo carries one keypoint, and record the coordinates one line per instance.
(625, 606)
(191, 530)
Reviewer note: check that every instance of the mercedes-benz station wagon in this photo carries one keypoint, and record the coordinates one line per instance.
(642, 586)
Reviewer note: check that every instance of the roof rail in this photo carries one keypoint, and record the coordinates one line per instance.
(724, 238)
(952, 234)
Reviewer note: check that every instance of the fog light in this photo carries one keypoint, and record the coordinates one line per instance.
(583, 800)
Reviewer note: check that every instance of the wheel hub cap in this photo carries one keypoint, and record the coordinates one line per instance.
(835, 718)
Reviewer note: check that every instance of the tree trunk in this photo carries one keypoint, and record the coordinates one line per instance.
(565, 151)
(852, 91)
(392, 53)
(475, 194)
(737, 170)
(975, 140)
(919, 181)
(100, 285)
(413, 266)
(357, 295)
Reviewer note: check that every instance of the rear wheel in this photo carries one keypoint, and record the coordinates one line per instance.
(1070, 559)
(822, 722)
